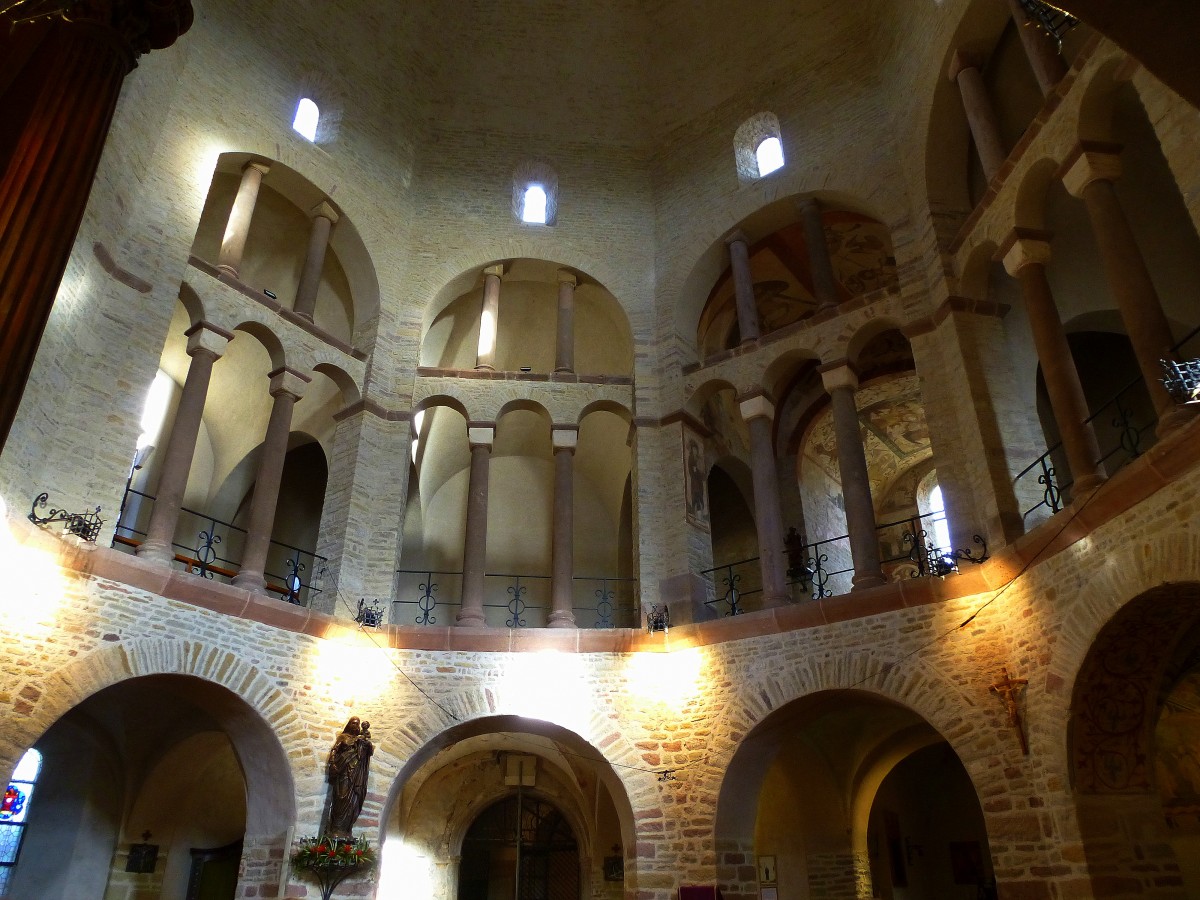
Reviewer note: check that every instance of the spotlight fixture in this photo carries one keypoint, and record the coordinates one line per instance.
(270, 294)
(22, 11)
(1054, 21)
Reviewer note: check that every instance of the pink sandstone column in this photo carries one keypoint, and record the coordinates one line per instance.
(981, 114)
(562, 615)
(1025, 257)
(206, 343)
(824, 282)
(564, 344)
(323, 219)
(758, 412)
(489, 319)
(480, 436)
(1090, 175)
(287, 386)
(1040, 49)
(743, 286)
(237, 229)
(841, 383)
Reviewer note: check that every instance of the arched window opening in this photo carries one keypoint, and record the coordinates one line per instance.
(769, 155)
(307, 116)
(154, 411)
(533, 209)
(937, 519)
(14, 813)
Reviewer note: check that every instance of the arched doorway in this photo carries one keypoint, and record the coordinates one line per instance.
(520, 848)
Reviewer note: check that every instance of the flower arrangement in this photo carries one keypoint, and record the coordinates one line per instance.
(330, 860)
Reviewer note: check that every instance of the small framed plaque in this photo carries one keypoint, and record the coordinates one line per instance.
(767, 873)
(614, 868)
(142, 858)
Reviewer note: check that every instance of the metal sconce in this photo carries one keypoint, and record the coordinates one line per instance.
(658, 620)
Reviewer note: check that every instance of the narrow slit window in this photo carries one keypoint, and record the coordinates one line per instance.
(14, 812)
(307, 116)
(533, 209)
(769, 155)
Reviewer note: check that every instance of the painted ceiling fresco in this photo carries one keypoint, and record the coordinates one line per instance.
(861, 250)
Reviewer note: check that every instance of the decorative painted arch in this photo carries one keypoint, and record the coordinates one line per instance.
(700, 395)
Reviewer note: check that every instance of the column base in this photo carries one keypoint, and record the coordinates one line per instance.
(1175, 418)
(867, 580)
(485, 368)
(470, 619)
(230, 271)
(255, 582)
(156, 552)
(772, 600)
(561, 619)
(564, 370)
(1085, 486)
(307, 317)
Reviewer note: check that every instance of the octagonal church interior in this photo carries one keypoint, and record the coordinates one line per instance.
(625, 451)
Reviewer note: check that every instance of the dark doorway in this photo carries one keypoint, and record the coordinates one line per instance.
(214, 874)
(543, 850)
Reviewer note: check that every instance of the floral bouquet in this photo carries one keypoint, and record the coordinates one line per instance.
(329, 861)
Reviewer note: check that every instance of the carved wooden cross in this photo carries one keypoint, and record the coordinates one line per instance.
(1007, 689)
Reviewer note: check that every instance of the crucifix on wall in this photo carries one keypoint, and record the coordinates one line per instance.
(1007, 689)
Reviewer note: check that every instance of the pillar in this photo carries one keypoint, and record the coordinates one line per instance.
(480, 436)
(981, 114)
(1025, 257)
(287, 386)
(59, 107)
(564, 344)
(563, 572)
(1090, 175)
(323, 219)
(1040, 49)
(205, 345)
(237, 228)
(841, 383)
(825, 290)
(743, 286)
(758, 412)
(489, 319)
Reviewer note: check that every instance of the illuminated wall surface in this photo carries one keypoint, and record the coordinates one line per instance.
(1028, 725)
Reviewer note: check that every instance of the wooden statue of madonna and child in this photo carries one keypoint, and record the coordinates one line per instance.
(336, 854)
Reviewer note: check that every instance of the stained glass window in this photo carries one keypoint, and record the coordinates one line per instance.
(14, 812)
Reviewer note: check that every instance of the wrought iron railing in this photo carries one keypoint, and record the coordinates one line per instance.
(513, 600)
(1124, 429)
(218, 549)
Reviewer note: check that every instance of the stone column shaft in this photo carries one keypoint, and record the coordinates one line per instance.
(1091, 176)
(564, 344)
(475, 542)
(772, 560)
(824, 282)
(205, 346)
(981, 114)
(286, 387)
(237, 229)
(489, 319)
(743, 286)
(1026, 260)
(841, 384)
(562, 581)
(314, 262)
(1040, 49)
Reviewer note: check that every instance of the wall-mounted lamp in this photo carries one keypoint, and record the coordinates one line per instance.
(658, 620)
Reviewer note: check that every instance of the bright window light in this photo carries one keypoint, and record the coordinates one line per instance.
(155, 410)
(418, 421)
(941, 527)
(769, 155)
(306, 119)
(533, 209)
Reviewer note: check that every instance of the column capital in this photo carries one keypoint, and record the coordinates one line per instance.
(838, 374)
(565, 437)
(566, 276)
(497, 270)
(263, 167)
(481, 434)
(737, 236)
(1024, 247)
(756, 406)
(1090, 161)
(206, 336)
(288, 381)
(963, 59)
(325, 211)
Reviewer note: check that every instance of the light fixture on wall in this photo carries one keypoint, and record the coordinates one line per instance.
(1054, 21)
(22, 11)
(658, 620)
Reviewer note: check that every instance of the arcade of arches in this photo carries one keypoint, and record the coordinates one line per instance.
(884, 430)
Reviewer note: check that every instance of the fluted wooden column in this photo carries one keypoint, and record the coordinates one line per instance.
(563, 541)
(1025, 257)
(324, 217)
(758, 412)
(1040, 49)
(1090, 174)
(824, 282)
(981, 114)
(287, 386)
(489, 319)
(841, 383)
(743, 286)
(481, 436)
(58, 108)
(205, 345)
(564, 343)
(237, 228)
